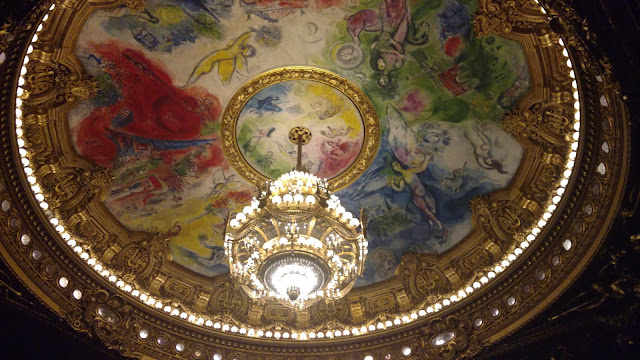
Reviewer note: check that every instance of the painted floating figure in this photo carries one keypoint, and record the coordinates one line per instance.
(412, 160)
(412, 154)
(229, 60)
(395, 27)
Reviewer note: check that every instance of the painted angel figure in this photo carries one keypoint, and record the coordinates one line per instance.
(230, 60)
(412, 160)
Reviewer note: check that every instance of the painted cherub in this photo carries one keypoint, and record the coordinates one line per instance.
(230, 60)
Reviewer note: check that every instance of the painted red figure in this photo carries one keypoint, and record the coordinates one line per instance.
(393, 17)
(157, 109)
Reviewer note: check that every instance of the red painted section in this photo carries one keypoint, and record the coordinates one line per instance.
(159, 109)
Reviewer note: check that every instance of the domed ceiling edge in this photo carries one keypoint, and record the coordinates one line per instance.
(560, 252)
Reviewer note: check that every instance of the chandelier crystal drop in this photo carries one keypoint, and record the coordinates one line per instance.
(296, 243)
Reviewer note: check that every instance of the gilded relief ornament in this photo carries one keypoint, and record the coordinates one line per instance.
(330, 311)
(72, 189)
(494, 18)
(108, 317)
(422, 279)
(547, 124)
(81, 89)
(178, 291)
(54, 84)
(41, 78)
(93, 233)
(142, 259)
(111, 320)
(5, 35)
(448, 339)
(503, 220)
(38, 139)
(228, 298)
(502, 17)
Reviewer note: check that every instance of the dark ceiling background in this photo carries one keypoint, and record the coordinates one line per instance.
(597, 318)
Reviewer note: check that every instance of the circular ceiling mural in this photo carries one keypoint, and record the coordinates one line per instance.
(344, 126)
(338, 137)
(456, 125)
(167, 69)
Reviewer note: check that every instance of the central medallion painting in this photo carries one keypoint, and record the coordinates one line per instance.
(335, 122)
(168, 70)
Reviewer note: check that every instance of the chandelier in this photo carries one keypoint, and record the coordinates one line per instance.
(296, 243)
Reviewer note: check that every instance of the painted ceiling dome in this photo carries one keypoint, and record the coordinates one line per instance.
(461, 128)
(165, 73)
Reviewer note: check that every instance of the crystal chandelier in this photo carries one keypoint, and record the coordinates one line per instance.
(295, 243)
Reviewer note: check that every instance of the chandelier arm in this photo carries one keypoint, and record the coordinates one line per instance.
(337, 231)
(274, 222)
(311, 213)
(312, 224)
(261, 232)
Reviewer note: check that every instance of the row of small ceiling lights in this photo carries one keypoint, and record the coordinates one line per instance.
(199, 320)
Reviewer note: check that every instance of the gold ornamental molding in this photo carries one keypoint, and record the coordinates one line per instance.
(503, 17)
(95, 279)
(6, 35)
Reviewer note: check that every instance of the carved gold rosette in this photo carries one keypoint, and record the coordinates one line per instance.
(38, 249)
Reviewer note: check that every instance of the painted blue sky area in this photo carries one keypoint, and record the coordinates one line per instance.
(397, 223)
(267, 100)
(164, 25)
